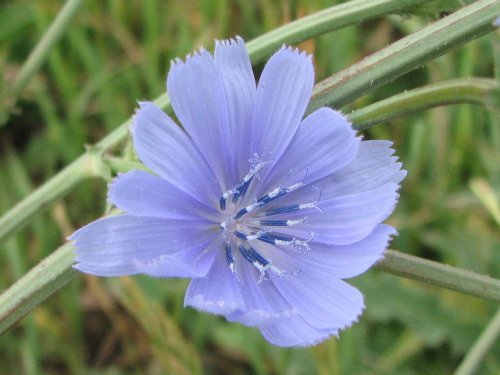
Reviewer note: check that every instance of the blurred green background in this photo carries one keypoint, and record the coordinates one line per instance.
(116, 53)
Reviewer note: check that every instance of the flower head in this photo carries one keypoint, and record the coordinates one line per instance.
(265, 210)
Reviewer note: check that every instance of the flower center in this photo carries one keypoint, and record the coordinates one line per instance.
(257, 221)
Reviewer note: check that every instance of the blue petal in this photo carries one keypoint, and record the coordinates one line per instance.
(323, 144)
(231, 57)
(341, 261)
(263, 302)
(374, 166)
(142, 194)
(111, 246)
(218, 292)
(197, 93)
(283, 92)
(345, 219)
(170, 153)
(193, 262)
(295, 331)
(323, 301)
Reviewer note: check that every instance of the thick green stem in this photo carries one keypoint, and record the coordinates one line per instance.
(42, 49)
(482, 91)
(438, 274)
(488, 338)
(88, 165)
(407, 54)
(333, 18)
(36, 286)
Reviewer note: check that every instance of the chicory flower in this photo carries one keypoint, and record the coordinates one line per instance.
(265, 210)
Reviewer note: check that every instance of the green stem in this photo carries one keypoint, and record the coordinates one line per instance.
(36, 286)
(408, 53)
(87, 166)
(442, 275)
(482, 91)
(319, 23)
(473, 359)
(42, 49)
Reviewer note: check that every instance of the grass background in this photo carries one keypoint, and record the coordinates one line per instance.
(116, 53)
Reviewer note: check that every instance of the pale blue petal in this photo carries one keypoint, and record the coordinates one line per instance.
(350, 218)
(263, 302)
(231, 57)
(218, 292)
(110, 246)
(167, 266)
(343, 220)
(196, 91)
(169, 152)
(192, 262)
(283, 92)
(341, 261)
(323, 301)
(143, 194)
(295, 331)
(374, 166)
(323, 144)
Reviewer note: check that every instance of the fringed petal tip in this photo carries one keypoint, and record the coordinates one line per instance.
(322, 334)
(297, 333)
(234, 41)
(295, 51)
(142, 105)
(179, 63)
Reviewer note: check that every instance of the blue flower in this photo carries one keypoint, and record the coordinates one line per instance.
(265, 210)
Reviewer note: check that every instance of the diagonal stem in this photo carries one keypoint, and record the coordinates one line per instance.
(41, 51)
(412, 51)
(473, 359)
(442, 275)
(483, 91)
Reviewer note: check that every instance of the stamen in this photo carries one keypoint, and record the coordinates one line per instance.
(240, 235)
(241, 188)
(283, 223)
(249, 237)
(296, 207)
(230, 259)
(272, 238)
(259, 262)
(284, 240)
(252, 256)
(273, 195)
